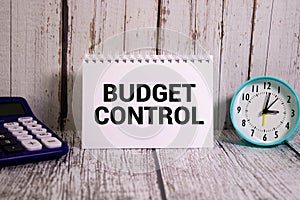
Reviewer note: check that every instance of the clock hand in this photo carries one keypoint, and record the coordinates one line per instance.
(272, 112)
(266, 103)
(272, 104)
(264, 119)
(266, 107)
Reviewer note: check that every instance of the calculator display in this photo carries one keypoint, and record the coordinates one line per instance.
(15, 108)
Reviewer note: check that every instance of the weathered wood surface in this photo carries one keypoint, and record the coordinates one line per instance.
(91, 24)
(295, 143)
(231, 170)
(43, 43)
(84, 174)
(198, 30)
(235, 50)
(5, 50)
(276, 41)
(35, 56)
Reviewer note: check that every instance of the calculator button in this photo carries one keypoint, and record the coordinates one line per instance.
(29, 122)
(43, 135)
(17, 133)
(10, 124)
(3, 136)
(51, 142)
(9, 141)
(13, 148)
(24, 137)
(15, 128)
(32, 145)
(39, 130)
(23, 119)
(34, 126)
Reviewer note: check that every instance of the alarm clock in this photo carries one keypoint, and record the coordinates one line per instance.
(265, 111)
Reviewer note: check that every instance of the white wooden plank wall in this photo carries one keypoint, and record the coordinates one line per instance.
(5, 48)
(247, 39)
(34, 51)
(201, 22)
(235, 51)
(284, 43)
(209, 32)
(276, 41)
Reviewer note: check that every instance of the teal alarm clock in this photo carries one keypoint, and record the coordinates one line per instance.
(265, 111)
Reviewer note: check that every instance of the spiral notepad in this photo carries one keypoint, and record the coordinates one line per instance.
(152, 101)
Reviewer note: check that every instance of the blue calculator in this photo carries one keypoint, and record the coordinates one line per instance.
(23, 137)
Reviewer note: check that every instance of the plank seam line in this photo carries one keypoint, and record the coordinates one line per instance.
(251, 38)
(223, 149)
(10, 48)
(158, 25)
(125, 18)
(195, 26)
(64, 67)
(154, 153)
(160, 181)
(292, 148)
(220, 64)
(269, 34)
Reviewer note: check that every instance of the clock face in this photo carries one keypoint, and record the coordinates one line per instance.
(265, 111)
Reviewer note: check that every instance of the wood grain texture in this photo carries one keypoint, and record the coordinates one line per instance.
(87, 30)
(237, 18)
(140, 26)
(35, 56)
(81, 40)
(177, 23)
(232, 170)
(5, 25)
(208, 33)
(294, 143)
(101, 25)
(283, 58)
(276, 48)
(261, 20)
(84, 174)
(194, 27)
(247, 39)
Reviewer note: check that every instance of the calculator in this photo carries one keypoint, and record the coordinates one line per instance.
(23, 137)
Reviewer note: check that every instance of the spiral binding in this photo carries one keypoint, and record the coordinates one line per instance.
(144, 58)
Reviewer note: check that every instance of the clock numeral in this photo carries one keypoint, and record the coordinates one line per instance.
(254, 88)
(252, 132)
(246, 97)
(289, 99)
(265, 137)
(243, 122)
(276, 134)
(278, 89)
(287, 125)
(239, 109)
(267, 85)
(293, 113)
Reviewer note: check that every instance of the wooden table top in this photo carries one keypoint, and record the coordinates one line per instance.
(233, 169)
